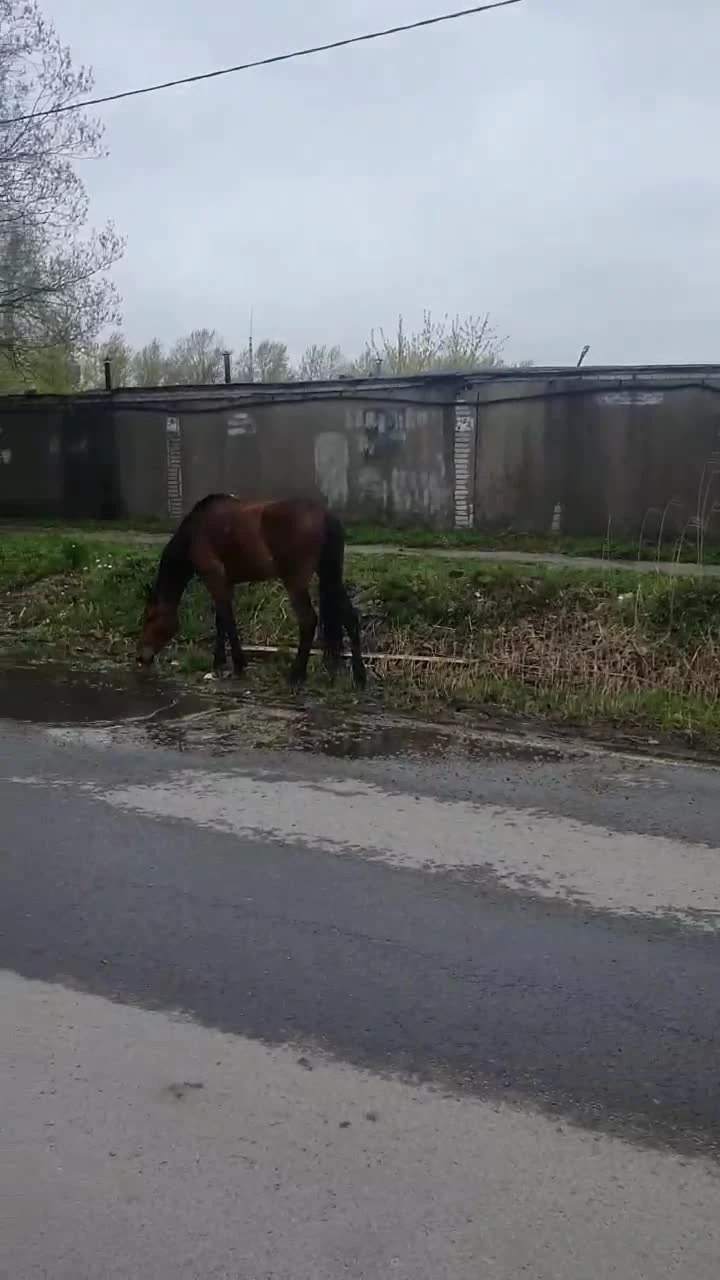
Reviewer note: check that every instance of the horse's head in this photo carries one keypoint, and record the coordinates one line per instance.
(159, 624)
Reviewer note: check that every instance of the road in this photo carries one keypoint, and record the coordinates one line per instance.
(384, 1009)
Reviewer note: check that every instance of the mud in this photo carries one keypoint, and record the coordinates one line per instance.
(112, 706)
(126, 708)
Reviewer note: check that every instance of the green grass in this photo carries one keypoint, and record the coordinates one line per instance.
(577, 647)
(595, 548)
(59, 524)
(420, 538)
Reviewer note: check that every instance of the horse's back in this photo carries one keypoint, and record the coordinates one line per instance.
(256, 540)
(293, 529)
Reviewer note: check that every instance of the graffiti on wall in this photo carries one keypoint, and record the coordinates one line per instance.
(385, 431)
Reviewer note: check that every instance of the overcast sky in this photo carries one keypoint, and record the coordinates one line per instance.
(554, 164)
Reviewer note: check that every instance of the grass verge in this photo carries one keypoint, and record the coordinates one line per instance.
(594, 548)
(574, 647)
(418, 538)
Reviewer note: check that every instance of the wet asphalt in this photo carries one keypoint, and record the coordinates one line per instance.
(609, 1021)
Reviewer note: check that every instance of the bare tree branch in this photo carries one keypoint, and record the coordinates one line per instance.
(54, 286)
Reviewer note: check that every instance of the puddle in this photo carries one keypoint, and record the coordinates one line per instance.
(58, 695)
(128, 708)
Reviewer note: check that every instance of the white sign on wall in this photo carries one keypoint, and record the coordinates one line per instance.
(642, 398)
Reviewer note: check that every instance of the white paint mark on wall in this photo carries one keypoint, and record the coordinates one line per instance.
(643, 398)
(331, 459)
(240, 424)
(418, 492)
(372, 485)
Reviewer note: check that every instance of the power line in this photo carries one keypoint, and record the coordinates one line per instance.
(262, 62)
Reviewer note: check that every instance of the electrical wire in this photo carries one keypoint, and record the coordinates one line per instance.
(260, 62)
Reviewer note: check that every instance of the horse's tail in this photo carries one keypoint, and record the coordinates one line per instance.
(332, 595)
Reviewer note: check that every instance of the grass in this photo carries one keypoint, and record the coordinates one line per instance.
(594, 548)
(600, 647)
(423, 538)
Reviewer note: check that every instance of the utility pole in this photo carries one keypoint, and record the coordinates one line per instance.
(11, 275)
(251, 358)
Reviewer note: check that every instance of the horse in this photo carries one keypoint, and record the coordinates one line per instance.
(225, 541)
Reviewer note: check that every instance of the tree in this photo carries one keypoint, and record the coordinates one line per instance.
(47, 370)
(270, 363)
(54, 288)
(197, 358)
(445, 346)
(150, 365)
(321, 363)
(91, 364)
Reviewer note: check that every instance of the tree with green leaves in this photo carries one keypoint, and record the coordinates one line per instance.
(55, 293)
(150, 365)
(91, 363)
(447, 345)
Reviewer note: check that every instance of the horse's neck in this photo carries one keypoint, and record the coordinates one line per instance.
(173, 577)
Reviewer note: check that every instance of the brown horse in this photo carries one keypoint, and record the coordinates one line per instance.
(226, 541)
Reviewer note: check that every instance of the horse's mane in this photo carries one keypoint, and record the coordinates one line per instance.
(175, 568)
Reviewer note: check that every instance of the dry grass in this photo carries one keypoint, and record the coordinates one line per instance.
(631, 658)
(614, 647)
(569, 654)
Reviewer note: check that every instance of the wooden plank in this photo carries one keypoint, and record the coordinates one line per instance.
(429, 659)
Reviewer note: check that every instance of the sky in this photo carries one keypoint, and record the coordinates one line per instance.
(553, 164)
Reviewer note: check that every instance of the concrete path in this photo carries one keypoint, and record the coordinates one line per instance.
(296, 1015)
(673, 568)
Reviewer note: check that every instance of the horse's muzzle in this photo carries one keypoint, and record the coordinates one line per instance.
(145, 657)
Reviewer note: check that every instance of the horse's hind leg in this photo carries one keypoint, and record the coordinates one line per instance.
(238, 657)
(351, 623)
(307, 625)
(219, 655)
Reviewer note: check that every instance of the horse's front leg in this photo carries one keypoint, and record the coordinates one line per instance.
(225, 626)
(307, 625)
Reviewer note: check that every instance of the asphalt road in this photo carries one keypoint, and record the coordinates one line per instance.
(289, 1014)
